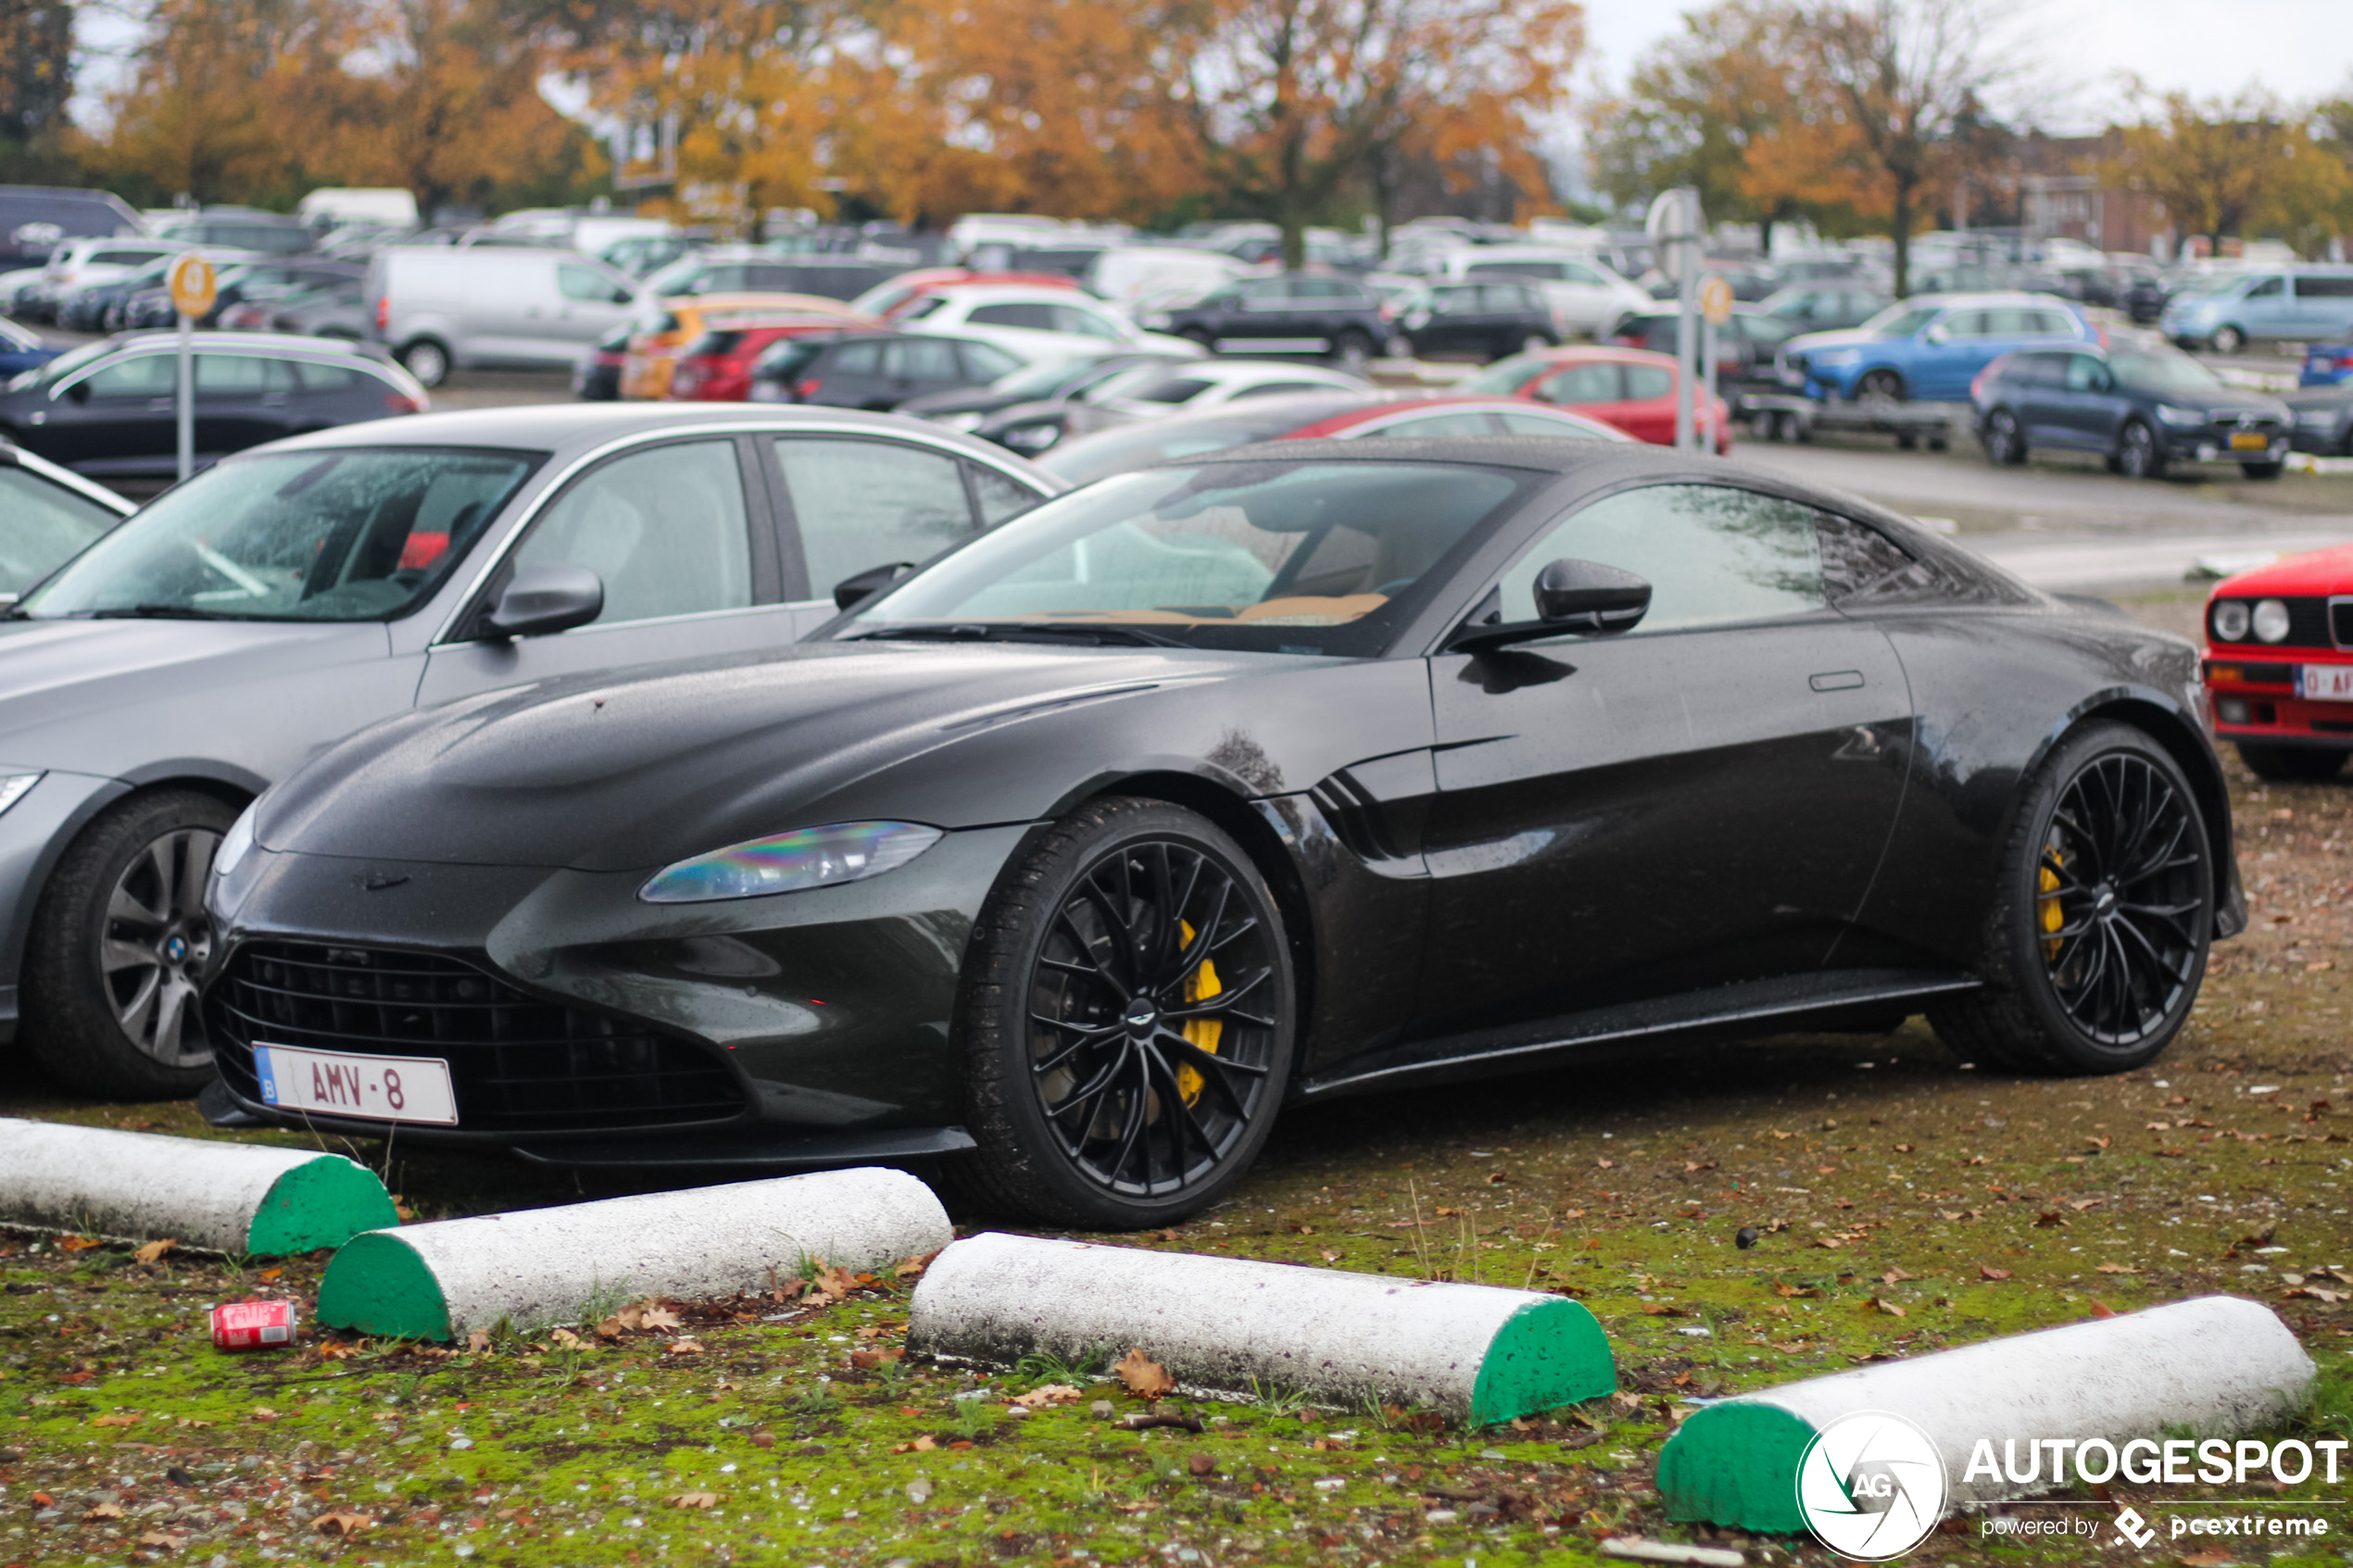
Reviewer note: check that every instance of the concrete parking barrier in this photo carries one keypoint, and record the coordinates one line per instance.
(1475, 1352)
(2215, 1366)
(540, 1266)
(220, 1197)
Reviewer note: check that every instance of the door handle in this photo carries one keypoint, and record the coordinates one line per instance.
(1836, 681)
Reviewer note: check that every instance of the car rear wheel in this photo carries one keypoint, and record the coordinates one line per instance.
(1126, 1019)
(2228, 340)
(1352, 350)
(2102, 914)
(2004, 442)
(1880, 386)
(1536, 342)
(119, 940)
(427, 360)
(2291, 764)
(2137, 454)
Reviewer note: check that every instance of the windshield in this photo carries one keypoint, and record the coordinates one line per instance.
(675, 278)
(363, 534)
(1051, 378)
(1277, 556)
(1505, 376)
(1901, 320)
(2166, 369)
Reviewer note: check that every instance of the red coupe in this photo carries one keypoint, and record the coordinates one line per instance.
(1626, 388)
(2279, 664)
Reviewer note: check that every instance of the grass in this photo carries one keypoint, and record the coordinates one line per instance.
(1877, 1172)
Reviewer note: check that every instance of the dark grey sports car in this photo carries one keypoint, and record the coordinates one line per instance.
(1302, 770)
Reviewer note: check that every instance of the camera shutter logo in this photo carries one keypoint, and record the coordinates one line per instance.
(1872, 1486)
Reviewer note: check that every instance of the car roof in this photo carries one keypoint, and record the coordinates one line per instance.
(13, 456)
(1011, 294)
(247, 342)
(759, 299)
(1578, 354)
(574, 428)
(1243, 372)
(1989, 296)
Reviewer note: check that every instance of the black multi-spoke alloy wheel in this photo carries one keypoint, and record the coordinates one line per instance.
(2004, 442)
(119, 940)
(1126, 1020)
(2291, 764)
(2102, 916)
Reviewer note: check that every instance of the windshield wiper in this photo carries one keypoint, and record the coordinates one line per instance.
(1019, 632)
(166, 612)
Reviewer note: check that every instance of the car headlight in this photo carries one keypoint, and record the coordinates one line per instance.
(2316, 417)
(2179, 417)
(1030, 438)
(1837, 356)
(234, 844)
(791, 862)
(13, 786)
(2270, 621)
(2230, 620)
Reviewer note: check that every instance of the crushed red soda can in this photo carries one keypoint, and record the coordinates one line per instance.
(253, 1326)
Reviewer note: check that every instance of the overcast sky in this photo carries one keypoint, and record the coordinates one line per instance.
(2082, 49)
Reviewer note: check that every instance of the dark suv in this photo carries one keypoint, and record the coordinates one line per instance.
(2142, 408)
(873, 371)
(1290, 313)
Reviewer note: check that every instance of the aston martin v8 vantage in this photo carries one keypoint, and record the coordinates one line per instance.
(1302, 770)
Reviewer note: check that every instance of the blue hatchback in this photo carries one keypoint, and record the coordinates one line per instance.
(2328, 364)
(22, 350)
(1929, 347)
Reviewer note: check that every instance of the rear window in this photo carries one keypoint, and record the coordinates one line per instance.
(715, 342)
(1176, 389)
(785, 361)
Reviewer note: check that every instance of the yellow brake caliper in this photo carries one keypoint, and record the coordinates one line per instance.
(1204, 1032)
(2047, 907)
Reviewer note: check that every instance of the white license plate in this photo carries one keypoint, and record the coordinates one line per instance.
(377, 1088)
(2327, 683)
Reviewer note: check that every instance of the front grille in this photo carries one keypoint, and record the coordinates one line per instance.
(516, 1063)
(2341, 621)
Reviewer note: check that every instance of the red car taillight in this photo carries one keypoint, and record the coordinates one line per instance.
(808, 388)
(384, 312)
(1977, 385)
(401, 403)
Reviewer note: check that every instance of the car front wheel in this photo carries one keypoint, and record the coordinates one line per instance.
(1353, 350)
(2137, 454)
(426, 360)
(2095, 942)
(2228, 340)
(1880, 386)
(2005, 443)
(1126, 1020)
(119, 940)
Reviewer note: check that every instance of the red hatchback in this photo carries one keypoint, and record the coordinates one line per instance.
(716, 367)
(1626, 388)
(2279, 664)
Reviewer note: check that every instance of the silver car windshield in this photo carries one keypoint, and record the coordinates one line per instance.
(362, 534)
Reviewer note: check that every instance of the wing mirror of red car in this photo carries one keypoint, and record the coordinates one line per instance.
(541, 600)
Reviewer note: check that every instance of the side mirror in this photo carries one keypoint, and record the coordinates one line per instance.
(1572, 597)
(852, 592)
(78, 391)
(540, 600)
(1937, 334)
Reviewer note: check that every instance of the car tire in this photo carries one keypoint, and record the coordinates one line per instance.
(2263, 471)
(2227, 340)
(129, 892)
(427, 360)
(2082, 975)
(1878, 387)
(2290, 764)
(1352, 350)
(1535, 343)
(2004, 442)
(1202, 336)
(1056, 1021)
(2138, 455)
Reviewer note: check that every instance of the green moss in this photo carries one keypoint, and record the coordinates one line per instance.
(1735, 1464)
(378, 1285)
(1547, 1354)
(325, 1203)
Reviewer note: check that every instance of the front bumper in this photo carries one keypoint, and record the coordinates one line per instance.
(811, 1028)
(2202, 447)
(2271, 708)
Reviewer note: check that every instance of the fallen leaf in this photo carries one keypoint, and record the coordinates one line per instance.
(270, 1274)
(1902, 1148)
(1989, 1271)
(478, 1342)
(695, 1500)
(341, 1522)
(128, 1418)
(685, 1347)
(2052, 1221)
(1450, 1213)
(1892, 1275)
(567, 1340)
(2116, 1269)
(2080, 1204)
(78, 1243)
(924, 1443)
(162, 1542)
(104, 1511)
(867, 1361)
(263, 1412)
(2101, 1143)
(2101, 1308)
(1051, 1394)
(1782, 1287)
(912, 1268)
(1606, 1164)
(836, 1282)
(1889, 1308)
(1143, 1375)
(1201, 1464)
(154, 1250)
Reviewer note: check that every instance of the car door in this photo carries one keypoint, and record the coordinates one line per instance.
(1948, 354)
(1700, 801)
(2266, 310)
(121, 418)
(914, 367)
(1594, 386)
(2034, 387)
(2087, 409)
(679, 532)
(1452, 323)
(1648, 412)
(590, 303)
(1262, 310)
(850, 504)
(239, 402)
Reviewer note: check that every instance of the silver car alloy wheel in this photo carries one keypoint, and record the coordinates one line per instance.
(157, 938)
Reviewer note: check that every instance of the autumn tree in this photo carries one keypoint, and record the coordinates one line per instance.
(2236, 167)
(36, 79)
(1895, 82)
(1287, 100)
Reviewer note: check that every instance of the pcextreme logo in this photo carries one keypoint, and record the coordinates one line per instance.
(1872, 1486)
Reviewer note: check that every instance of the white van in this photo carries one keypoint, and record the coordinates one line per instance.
(441, 308)
(1140, 275)
(385, 205)
(1585, 295)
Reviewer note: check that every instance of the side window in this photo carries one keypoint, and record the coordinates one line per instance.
(1646, 382)
(587, 284)
(47, 526)
(666, 529)
(2052, 323)
(2269, 288)
(318, 377)
(2334, 287)
(1861, 566)
(1071, 319)
(1037, 317)
(1970, 323)
(2085, 375)
(858, 359)
(986, 362)
(1572, 272)
(1712, 554)
(1453, 302)
(235, 375)
(1582, 383)
(921, 358)
(142, 375)
(861, 503)
(1272, 291)
(1001, 494)
(1435, 425)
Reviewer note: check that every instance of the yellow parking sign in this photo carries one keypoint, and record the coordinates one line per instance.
(194, 287)
(1715, 300)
